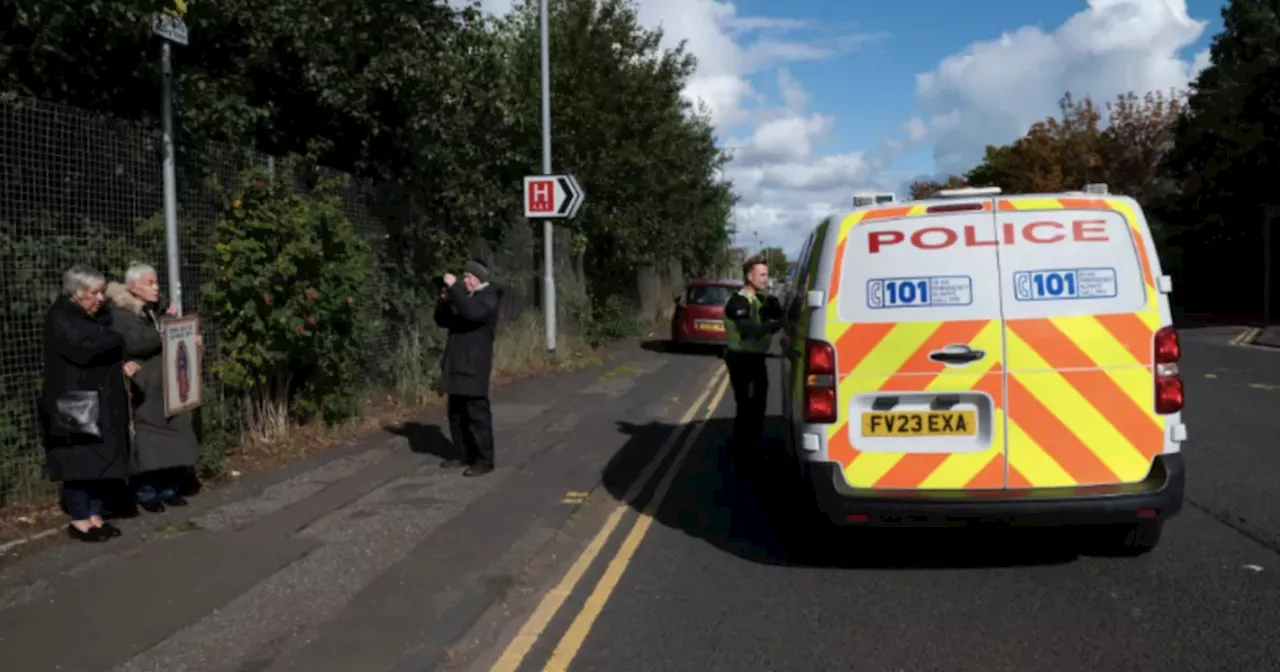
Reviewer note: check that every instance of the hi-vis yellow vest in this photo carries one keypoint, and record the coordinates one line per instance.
(736, 341)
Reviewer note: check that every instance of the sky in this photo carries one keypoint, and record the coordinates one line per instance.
(819, 99)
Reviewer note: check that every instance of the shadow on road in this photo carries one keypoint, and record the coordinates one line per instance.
(1192, 321)
(672, 348)
(759, 518)
(425, 439)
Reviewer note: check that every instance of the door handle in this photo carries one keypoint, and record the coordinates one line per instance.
(957, 354)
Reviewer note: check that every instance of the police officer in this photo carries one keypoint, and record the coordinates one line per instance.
(750, 323)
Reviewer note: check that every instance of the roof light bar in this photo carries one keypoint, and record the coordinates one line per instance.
(969, 192)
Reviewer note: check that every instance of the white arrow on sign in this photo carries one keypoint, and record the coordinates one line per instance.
(552, 196)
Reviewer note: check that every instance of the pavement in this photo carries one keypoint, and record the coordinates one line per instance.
(616, 538)
(697, 577)
(365, 558)
(1270, 337)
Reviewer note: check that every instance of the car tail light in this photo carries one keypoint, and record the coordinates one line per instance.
(819, 382)
(1169, 392)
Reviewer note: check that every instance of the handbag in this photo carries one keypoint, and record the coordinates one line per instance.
(76, 413)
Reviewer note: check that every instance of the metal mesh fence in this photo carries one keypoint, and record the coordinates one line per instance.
(80, 188)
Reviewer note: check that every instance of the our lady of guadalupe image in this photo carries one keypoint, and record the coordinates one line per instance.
(183, 366)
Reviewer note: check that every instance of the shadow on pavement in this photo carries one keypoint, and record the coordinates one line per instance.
(425, 439)
(761, 518)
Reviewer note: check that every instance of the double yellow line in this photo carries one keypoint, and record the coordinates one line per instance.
(571, 642)
(1246, 337)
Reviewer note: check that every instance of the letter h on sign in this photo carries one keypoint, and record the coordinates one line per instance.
(541, 195)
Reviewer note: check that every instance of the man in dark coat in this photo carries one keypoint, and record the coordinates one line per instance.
(163, 448)
(84, 405)
(469, 310)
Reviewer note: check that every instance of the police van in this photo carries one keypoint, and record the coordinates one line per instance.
(987, 356)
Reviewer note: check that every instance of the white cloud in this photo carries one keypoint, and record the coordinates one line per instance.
(916, 130)
(991, 92)
(988, 93)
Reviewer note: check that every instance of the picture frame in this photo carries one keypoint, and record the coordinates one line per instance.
(183, 365)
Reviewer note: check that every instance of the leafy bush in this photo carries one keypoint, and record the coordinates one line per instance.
(292, 276)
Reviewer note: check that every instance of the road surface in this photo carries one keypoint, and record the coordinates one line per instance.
(706, 583)
(612, 538)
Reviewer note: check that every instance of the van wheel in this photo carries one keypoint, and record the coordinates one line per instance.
(1128, 539)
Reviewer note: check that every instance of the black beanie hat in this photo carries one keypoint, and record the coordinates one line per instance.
(477, 269)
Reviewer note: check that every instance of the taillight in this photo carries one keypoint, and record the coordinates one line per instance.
(819, 382)
(1169, 389)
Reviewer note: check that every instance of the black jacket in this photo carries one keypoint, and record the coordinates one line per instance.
(472, 321)
(83, 354)
(738, 309)
(158, 442)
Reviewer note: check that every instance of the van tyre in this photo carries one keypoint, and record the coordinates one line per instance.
(1129, 539)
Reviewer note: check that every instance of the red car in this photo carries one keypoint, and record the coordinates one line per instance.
(699, 316)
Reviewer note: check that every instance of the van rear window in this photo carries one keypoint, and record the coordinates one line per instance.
(920, 268)
(973, 265)
(1076, 262)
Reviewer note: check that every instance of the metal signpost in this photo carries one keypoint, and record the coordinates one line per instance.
(171, 29)
(548, 255)
(549, 197)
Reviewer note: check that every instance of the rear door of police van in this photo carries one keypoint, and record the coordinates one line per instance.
(1081, 315)
(918, 336)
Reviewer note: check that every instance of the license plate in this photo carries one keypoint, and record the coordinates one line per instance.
(707, 325)
(920, 423)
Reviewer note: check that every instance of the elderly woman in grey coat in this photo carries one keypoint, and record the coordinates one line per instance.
(163, 448)
(83, 407)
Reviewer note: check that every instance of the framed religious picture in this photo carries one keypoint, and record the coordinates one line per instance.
(183, 384)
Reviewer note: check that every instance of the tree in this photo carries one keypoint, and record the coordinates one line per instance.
(1139, 134)
(776, 258)
(649, 161)
(1067, 152)
(1223, 158)
(925, 189)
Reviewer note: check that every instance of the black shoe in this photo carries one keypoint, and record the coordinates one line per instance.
(452, 464)
(477, 470)
(94, 535)
(110, 531)
(120, 512)
(152, 505)
(176, 500)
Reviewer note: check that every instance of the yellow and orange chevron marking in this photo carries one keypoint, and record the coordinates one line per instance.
(894, 358)
(1079, 409)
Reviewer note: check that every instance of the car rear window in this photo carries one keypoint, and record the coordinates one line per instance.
(709, 295)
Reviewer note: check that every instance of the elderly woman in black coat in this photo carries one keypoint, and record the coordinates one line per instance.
(164, 448)
(84, 405)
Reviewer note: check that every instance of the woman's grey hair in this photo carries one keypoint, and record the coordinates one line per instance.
(79, 278)
(136, 270)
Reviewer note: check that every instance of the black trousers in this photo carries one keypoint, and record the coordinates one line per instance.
(83, 499)
(471, 429)
(749, 378)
